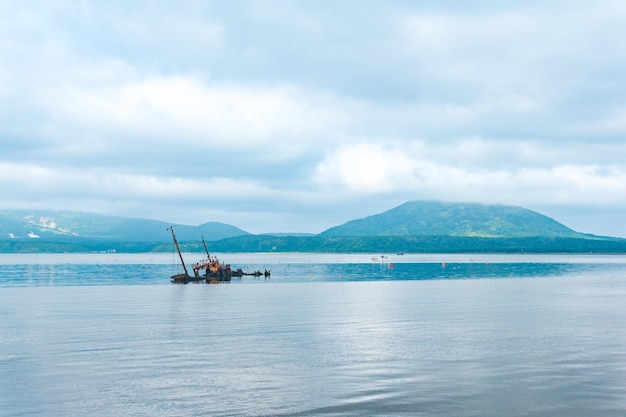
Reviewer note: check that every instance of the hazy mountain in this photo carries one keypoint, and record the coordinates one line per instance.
(417, 227)
(429, 218)
(64, 225)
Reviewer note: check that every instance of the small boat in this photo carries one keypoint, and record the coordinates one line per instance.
(383, 259)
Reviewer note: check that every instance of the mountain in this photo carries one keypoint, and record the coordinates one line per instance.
(409, 244)
(430, 218)
(413, 227)
(68, 225)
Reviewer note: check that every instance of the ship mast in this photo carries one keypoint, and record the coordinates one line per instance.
(171, 228)
(206, 249)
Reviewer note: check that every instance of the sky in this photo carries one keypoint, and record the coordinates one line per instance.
(296, 116)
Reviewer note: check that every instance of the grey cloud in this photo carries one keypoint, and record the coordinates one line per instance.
(284, 100)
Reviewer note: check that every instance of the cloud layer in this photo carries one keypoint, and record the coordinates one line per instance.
(295, 116)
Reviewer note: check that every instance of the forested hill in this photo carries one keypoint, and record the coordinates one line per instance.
(429, 218)
(66, 226)
(418, 227)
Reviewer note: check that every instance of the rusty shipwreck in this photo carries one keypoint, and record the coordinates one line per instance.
(210, 269)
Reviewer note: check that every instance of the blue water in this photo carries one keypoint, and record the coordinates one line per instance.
(332, 335)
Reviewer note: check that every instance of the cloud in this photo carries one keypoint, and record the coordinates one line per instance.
(365, 168)
(192, 111)
(322, 112)
(51, 182)
(513, 48)
(368, 169)
(192, 200)
(612, 124)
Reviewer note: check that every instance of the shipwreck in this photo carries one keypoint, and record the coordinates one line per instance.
(210, 269)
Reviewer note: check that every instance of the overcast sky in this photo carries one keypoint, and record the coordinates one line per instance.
(295, 116)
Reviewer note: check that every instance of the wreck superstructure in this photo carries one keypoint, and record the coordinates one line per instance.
(214, 269)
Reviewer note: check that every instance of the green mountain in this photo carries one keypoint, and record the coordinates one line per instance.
(430, 218)
(410, 244)
(73, 226)
(413, 227)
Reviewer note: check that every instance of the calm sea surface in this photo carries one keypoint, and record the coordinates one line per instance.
(326, 335)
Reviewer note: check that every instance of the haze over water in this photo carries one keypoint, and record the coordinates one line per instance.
(107, 334)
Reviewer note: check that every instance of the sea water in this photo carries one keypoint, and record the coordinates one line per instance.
(330, 335)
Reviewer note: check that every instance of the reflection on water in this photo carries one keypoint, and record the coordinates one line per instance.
(331, 339)
(138, 269)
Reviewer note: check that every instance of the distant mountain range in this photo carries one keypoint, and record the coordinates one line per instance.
(419, 226)
(64, 225)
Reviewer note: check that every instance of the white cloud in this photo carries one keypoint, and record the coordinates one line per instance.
(185, 111)
(614, 123)
(135, 106)
(364, 168)
(181, 199)
(38, 182)
(174, 29)
(512, 49)
(376, 170)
